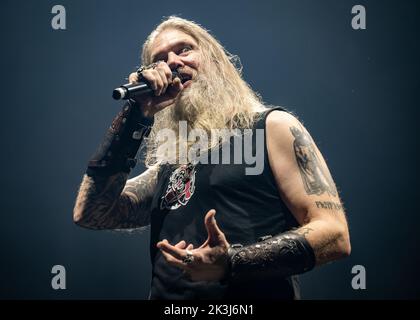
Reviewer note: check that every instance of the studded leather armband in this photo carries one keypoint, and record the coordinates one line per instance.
(284, 255)
(117, 152)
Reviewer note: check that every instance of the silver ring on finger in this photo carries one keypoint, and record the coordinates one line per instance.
(189, 258)
(142, 68)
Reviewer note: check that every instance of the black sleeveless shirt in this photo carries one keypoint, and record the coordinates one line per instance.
(247, 207)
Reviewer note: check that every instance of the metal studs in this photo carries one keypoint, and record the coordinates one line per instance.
(137, 135)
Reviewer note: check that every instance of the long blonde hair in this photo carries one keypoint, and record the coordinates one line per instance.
(218, 98)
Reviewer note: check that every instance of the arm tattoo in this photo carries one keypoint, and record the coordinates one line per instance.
(315, 176)
(329, 205)
(104, 203)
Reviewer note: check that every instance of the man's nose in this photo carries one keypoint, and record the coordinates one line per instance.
(174, 61)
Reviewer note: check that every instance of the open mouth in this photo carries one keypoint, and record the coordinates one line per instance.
(185, 78)
(187, 83)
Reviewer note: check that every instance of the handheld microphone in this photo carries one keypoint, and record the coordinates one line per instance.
(130, 90)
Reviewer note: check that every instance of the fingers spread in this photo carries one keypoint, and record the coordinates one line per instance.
(172, 250)
(173, 261)
(215, 235)
(181, 244)
(209, 222)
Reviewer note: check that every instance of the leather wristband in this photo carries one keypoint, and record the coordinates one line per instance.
(284, 255)
(117, 152)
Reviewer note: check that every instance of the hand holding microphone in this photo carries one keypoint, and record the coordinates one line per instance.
(157, 89)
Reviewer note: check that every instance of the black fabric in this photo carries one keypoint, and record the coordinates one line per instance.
(248, 207)
(121, 142)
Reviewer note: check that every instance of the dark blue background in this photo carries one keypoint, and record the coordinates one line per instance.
(356, 92)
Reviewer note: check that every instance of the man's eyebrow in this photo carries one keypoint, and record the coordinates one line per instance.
(161, 55)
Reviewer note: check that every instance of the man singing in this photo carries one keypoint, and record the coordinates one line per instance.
(271, 225)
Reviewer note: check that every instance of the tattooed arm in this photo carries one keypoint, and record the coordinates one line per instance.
(306, 186)
(111, 203)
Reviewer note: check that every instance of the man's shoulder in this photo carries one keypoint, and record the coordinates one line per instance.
(280, 120)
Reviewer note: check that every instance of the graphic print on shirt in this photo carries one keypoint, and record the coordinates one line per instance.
(180, 188)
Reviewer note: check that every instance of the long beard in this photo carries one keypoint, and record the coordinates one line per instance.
(209, 102)
(201, 103)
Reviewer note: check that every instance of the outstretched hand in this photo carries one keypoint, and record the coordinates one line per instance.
(209, 262)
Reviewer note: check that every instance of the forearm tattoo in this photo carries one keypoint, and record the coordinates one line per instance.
(315, 176)
(110, 203)
(329, 205)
